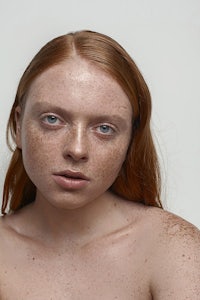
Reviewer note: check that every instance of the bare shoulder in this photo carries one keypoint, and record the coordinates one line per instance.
(9, 236)
(6, 245)
(6, 225)
(172, 249)
(161, 224)
(6, 235)
(170, 226)
(171, 235)
(176, 256)
(174, 233)
(4, 229)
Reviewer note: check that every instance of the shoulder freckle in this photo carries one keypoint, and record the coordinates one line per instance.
(170, 226)
(179, 234)
(177, 225)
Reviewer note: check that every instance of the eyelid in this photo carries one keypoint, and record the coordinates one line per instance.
(46, 115)
(112, 128)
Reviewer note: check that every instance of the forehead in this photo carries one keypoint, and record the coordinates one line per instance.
(79, 81)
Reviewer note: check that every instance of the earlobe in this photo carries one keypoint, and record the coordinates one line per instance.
(18, 126)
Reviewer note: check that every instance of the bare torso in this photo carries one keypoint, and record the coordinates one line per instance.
(118, 265)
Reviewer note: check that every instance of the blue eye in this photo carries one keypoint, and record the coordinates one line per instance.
(106, 129)
(51, 119)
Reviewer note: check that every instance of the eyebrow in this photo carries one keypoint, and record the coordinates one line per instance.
(38, 106)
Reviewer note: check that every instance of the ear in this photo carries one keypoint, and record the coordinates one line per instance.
(18, 120)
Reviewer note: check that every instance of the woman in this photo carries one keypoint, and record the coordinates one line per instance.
(82, 190)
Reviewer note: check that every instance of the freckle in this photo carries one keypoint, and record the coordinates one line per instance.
(183, 255)
(33, 258)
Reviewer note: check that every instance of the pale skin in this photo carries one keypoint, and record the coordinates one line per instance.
(77, 240)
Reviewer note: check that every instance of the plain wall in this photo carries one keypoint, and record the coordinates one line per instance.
(163, 37)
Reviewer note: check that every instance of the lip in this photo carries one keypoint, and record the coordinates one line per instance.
(71, 180)
(72, 174)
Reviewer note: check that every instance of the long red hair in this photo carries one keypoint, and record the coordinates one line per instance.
(139, 178)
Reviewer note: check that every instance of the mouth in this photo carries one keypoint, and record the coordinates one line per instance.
(72, 175)
(71, 180)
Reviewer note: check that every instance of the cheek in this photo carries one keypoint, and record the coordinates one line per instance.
(36, 150)
(110, 162)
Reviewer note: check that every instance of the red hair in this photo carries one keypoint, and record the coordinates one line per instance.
(139, 178)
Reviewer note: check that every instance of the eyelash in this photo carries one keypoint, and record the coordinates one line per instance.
(111, 129)
(59, 122)
(54, 117)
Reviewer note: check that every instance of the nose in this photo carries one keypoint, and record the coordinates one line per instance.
(76, 145)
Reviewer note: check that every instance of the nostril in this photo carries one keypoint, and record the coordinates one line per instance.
(75, 156)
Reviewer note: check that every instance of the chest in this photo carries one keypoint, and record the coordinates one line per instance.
(109, 273)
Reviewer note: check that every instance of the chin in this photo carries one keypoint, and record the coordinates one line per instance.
(69, 205)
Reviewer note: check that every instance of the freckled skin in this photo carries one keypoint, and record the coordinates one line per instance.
(87, 94)
(87, 243)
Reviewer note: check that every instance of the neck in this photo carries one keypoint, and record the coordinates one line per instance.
(80, 225)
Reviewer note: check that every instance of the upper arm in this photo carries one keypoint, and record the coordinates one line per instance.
(176, 264)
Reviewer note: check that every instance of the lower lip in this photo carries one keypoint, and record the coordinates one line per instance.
(70, 183)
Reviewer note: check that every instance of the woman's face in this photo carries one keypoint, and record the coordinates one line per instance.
(74, 133)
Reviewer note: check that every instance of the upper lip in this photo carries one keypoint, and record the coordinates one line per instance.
(72, 174)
